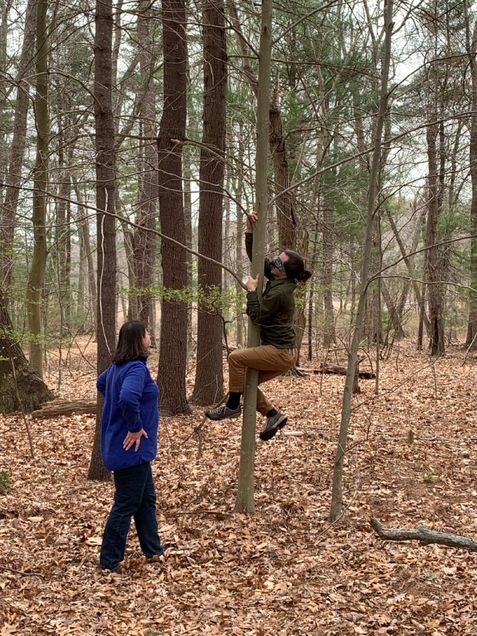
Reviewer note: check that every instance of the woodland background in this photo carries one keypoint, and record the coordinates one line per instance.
(129, 139)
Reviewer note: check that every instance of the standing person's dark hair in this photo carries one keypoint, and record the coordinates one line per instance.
(274, 311)
(129, 425)
(131, 342)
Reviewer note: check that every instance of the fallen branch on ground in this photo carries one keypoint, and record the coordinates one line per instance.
(424, 535)
(62, 407)
(335, 369)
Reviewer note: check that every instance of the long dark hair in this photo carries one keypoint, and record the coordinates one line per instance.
(130, 342)
(295, 267)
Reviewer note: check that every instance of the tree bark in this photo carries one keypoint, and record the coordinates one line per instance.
(434, 291)
(105, 203)
(246, 483)
(173, 340)
(20, 387)
(337, 487)
(145, 241)
(329, 335)
(209, 379)
(471, 339)
(17, 151)
(36, 278)
(83, 229)
(285, 198)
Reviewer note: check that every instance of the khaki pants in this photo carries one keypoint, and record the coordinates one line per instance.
(268, 360)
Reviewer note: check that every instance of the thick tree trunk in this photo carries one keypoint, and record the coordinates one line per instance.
(36, 278)
(20, 387)
(105, 203)
(173, 340)
(209, 379)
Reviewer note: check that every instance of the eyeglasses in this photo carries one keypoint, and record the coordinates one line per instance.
(278, 264)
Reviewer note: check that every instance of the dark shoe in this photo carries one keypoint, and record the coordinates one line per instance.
(223, 412)
(116, 570)
(155, 558)
(274, 423)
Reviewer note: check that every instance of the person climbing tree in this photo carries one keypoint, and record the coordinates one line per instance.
(274, 312)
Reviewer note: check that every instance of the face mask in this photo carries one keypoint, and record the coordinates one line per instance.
(277, 263)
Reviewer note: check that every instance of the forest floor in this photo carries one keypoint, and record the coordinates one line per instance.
(285, 570)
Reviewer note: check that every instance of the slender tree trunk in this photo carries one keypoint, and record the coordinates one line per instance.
(239, 243)
(337, 488)
(36, 278)
(63, 232)
(17, 151)
(434, 271)
(408, 260)
(5, 6)
(209, 380)
(105, 203)
(173, 341)
(82, 221)
(329, 335)
(471, 339)
(144, 240)
(246, 484)
(188, 239)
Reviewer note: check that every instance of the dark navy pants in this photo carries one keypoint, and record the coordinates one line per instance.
(134, 497)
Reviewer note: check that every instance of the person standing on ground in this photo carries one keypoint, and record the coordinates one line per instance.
(129, 425)
(274, 312)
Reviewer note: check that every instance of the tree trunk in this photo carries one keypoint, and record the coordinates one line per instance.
(188, 239)
(337, 488)
(392, 311)
(246, 483)
(144, 240)
(173, 340)
(105, 203)
(20, 387)
(284, 198)
(209, 379)
(329, 335)
(434, 273)
(8, 213)
(63, 231)
(36, 278)
(239, 318)
(83, 226)
(471, 340)
(408, 260)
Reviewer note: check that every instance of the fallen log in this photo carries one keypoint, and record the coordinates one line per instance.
(337, 370)
(424, 535)
(64, 407)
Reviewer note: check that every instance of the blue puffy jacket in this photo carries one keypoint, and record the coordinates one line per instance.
(130, 403)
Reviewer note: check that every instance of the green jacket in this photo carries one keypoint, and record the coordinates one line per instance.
(275, 310)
